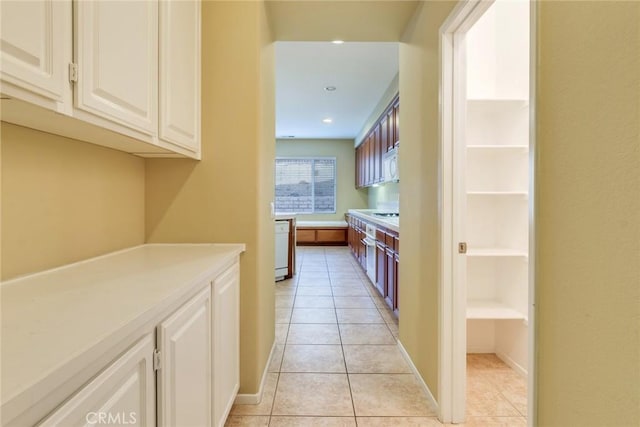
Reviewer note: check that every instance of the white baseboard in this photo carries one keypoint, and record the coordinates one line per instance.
(509, 361)
(407, 358)
(256, 398)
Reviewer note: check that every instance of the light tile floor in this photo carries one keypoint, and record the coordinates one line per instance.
(336, 360)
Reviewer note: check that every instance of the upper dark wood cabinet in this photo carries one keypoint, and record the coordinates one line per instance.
(383, 136)
(396, 117)
(367, 161)
(391, 125)
(377, 154)
(384, 133)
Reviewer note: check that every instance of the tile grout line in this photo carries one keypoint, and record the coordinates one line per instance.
(344, 360)
(331, 284)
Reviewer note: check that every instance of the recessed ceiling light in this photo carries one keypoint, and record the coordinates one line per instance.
(337, 41)
(328, 120)
(329, 88)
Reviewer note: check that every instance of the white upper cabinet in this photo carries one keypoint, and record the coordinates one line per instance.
(124, 74)
(116, 54)
(180, 74)
(35, 50)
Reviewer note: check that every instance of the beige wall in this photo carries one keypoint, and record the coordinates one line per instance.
(321, 20)
(347, 196)
(588, 231)
(65, 200)
(419, 204)
(225, 197)
(265, 316)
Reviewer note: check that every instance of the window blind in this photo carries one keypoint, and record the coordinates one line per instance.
(305, 185)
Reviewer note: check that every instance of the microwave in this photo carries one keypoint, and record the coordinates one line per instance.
(390, 166)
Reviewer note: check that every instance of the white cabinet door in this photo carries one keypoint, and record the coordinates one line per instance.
(36, 46)
(116, 49)
(122, 394)
(180, 74)
(226, 342)
(184, 380)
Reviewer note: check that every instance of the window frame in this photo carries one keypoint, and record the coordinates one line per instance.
(313, 187)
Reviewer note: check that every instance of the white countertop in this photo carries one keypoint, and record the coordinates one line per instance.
(392, 223)
(60, 320)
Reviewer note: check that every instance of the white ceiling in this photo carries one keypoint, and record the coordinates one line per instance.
(361, 73)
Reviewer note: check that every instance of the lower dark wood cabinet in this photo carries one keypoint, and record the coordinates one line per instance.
(381, 268)
(387, 255)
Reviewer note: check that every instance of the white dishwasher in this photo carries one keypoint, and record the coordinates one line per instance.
(282, 249)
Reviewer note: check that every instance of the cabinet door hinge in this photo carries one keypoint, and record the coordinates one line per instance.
(73, 72)
(157, 365)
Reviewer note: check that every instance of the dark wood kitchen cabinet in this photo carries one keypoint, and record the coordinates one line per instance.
(377, 156)
(387, 255)
(384, 133)
(391, 126)
(383, 136)
(396, 123)
(381, 263)
(355, 239)
(392, 261)
(367, 160)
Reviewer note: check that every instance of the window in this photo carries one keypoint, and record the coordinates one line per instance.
(305, 185)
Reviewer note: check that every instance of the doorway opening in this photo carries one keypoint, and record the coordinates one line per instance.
(487, 282)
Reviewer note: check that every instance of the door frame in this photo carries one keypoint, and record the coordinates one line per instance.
(452, 303)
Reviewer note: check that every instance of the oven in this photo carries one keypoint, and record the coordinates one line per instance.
(370, 241)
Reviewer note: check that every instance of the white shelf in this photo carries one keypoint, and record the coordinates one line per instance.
(496, 252)
(498, 193)
(498, 105)
(497, 146)
(517, 100)
(490, 309)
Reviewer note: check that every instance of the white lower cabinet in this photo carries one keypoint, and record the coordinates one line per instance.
(188, 374)
(123, 394)
(184, 377)
(226, 343)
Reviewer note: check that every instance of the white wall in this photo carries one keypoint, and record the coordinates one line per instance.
(498, 48)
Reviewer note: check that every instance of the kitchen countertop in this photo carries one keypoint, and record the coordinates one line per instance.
(284, 217)
(58, 322)
(392, 223)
